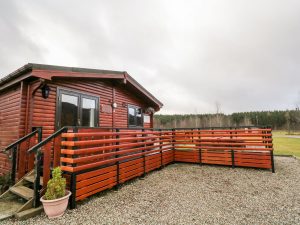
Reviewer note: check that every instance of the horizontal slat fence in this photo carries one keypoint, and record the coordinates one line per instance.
(236, 147)
(99, 159)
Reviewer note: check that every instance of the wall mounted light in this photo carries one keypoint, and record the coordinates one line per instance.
(45, 91)
(114, 105)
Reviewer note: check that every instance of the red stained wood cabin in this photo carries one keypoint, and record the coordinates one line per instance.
(97, 125)
(51, 97)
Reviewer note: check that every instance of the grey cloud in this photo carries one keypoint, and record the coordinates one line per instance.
(15, 45)
(243, 54)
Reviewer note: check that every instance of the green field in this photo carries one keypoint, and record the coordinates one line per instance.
(285, 145)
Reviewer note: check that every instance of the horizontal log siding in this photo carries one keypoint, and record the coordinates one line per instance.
(9, 123)
(147, 125)
(123, 98)
(44, 110)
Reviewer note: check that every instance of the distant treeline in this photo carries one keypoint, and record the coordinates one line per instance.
(279, 120)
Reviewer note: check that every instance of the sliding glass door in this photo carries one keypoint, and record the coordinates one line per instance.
(76, 109)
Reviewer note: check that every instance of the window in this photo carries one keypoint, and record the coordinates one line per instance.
(135, 116)
(69, 109)
(76, 109)
(88, 112)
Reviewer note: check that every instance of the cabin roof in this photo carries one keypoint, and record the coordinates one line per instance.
(48, 72)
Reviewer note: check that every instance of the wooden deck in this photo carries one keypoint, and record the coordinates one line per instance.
(96, 159)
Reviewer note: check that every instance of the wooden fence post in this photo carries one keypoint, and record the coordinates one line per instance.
(173, 143)
(73, 176)
(271, 152)
(232, 151)
(37, 170)
(192, 135)
(118, 163)
(73, 190)
(14, 164)
(160, 147)
(144, 155)
(232, 159)
(75, 130)
(200, 151)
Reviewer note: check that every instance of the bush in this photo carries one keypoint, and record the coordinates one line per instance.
(56, 186)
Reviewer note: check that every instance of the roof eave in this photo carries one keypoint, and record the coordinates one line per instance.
(16, 76)
(143, 90)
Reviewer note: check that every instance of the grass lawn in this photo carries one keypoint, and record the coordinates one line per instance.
(286, 145)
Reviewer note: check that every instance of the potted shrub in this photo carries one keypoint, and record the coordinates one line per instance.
(55, 201)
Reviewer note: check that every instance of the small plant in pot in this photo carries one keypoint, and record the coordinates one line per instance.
(55, 201)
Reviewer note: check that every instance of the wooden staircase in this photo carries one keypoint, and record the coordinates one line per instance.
(30, 152)
(18, 200)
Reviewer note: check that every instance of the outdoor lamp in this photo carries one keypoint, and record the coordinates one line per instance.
(45, 91)
(114, 105)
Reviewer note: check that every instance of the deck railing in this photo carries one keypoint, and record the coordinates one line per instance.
(99, 159)
(96, 159)
(47, 156)
(22, 162)
(248, 147)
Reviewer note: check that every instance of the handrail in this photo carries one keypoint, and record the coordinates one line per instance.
(178, 128)
(14, 150)
(20, 140)
(42, 143)
(38, 159)
(225, 127)
(120, 128)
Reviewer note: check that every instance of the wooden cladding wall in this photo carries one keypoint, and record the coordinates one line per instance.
(100, 159)
(23, 108)
(9, 123)
(43, 111)
(123, 98)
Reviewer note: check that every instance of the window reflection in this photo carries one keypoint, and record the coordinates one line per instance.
(88, 112)
(139, 119)
(135, 116)
(77, 109)
(69, 110)
(131, 113)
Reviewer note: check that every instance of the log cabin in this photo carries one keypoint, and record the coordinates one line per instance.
(47, 96)
(97, 126)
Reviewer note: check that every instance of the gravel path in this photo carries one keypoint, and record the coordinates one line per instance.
(193, 194)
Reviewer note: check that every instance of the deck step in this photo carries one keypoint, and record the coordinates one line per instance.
(30, 178)
(22, 191)
(29, 213)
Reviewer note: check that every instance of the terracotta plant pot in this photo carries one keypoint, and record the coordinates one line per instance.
(56, 207)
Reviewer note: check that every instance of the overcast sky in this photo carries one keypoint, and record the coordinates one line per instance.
(245, 55)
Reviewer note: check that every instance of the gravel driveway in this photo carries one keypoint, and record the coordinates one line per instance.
(193, 194)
